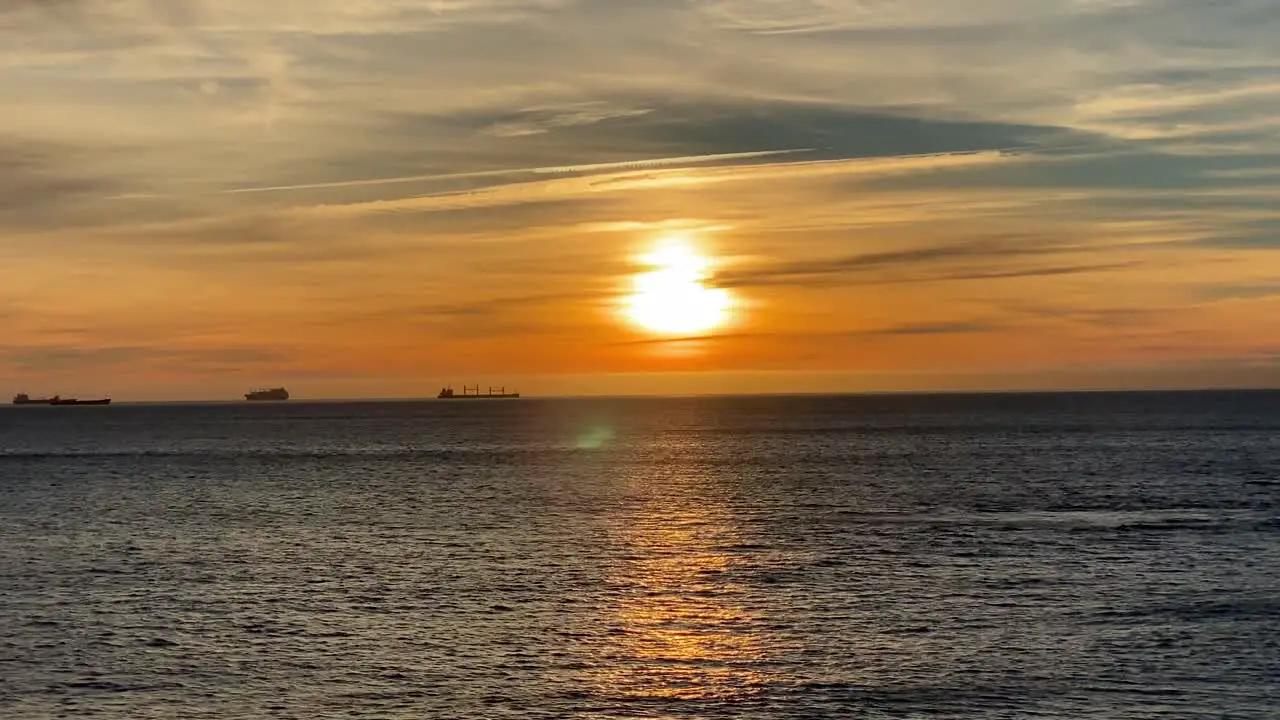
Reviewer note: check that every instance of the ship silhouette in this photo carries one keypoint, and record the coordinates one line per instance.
(473, 393)
(268, 394)
(25, 399)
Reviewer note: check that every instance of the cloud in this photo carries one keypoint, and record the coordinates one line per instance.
(1243, 291)
(672, 124)
(45, 10)
(890, 331)
(1032, 312)
(969, 259)
(594, 186)
(1248, 233)
(937, 328)
(491, 306)
(41, 359)
(1037, 272)
(28, 179)
(528, 172)
(827, 16)
(39, 179)
(61, 358)
(311, 17)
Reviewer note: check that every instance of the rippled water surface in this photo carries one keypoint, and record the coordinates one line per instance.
(1049, 556)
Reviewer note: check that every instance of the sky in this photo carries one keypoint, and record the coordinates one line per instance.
(376, 198)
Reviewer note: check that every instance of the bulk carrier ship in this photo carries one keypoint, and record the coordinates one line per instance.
(24, 399)
(474, 394)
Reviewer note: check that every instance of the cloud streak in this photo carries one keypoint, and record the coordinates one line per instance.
(965, 260)
(563, 170)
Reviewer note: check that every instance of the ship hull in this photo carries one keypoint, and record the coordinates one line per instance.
(62, 403)
(276, 395)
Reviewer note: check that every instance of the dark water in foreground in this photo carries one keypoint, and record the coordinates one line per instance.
(1057, 556)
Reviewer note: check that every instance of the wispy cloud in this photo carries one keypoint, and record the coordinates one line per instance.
(937, 328)
(966, 259)
(958, 327)
(43, 179)
(562, 170)
(47, 359)
(1241, 291)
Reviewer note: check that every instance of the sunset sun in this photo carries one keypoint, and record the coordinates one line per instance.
(672, 297)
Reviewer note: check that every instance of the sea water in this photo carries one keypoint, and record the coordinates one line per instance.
(984, 556)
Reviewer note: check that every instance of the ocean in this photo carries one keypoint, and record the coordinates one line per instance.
(916, 556)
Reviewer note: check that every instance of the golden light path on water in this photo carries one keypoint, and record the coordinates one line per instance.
(673, 296)
(684, 628)
(686, 636)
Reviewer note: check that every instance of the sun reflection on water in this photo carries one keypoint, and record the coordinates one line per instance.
(682, 628)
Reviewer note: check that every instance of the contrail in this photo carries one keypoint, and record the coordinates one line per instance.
(659, 162)
(650, 163)
(597, 167)
(566, 169)
(370, 181)
(560, 170)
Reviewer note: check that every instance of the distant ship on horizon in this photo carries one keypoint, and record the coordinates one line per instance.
(268, 394)
(25, 399)
(473, 393)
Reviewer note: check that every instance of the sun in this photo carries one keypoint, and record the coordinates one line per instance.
(673, 297)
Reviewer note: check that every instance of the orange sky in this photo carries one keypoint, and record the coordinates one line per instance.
(204, 197)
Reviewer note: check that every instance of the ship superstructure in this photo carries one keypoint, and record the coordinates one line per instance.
(25, 399)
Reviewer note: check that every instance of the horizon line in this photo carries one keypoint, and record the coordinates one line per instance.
(661, 396)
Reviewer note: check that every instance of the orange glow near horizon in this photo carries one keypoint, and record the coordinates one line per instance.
(673, 298)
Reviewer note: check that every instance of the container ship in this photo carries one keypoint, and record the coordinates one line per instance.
(474, 394)
(270, 394)
(24, 399)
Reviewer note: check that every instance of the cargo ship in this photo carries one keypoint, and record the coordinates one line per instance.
(474, 394)
(24, 399)
(270, 394)
(73, 401)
